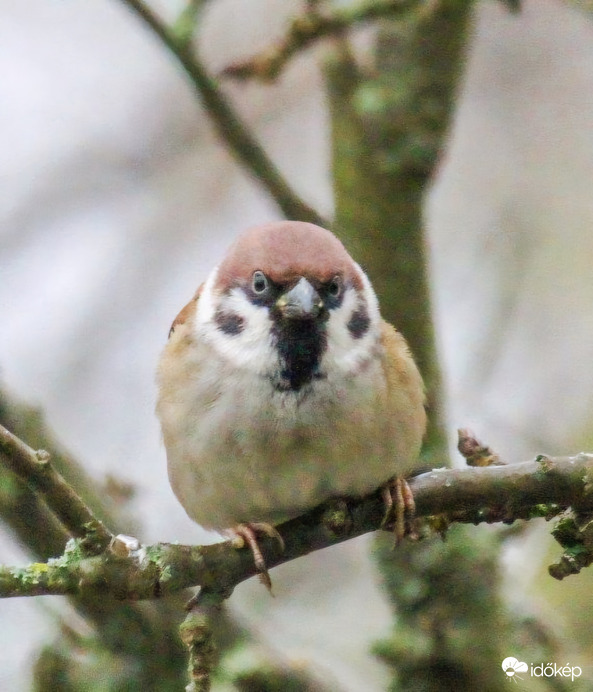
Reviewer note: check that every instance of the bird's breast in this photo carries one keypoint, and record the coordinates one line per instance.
(270, 453)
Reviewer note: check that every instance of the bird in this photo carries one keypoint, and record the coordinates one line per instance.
(281, 387)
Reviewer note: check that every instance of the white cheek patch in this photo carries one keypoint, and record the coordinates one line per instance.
(345, 352)
(370, 297)
(251, 347)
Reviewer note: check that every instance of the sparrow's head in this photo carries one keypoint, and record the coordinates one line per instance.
(289, 303)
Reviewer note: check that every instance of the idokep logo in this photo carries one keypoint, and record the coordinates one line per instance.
(511, 667)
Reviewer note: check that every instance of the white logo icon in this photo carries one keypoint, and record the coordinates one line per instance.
(512, 666)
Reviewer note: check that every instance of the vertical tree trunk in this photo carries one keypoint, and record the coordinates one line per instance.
(389, 132)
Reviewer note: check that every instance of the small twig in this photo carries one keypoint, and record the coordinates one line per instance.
(475, 453)
(197, 635)
(231, 129)
(35, 469)
(309, 28)
(185, 25)
(575, 535)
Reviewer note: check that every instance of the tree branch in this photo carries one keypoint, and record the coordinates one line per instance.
(541, 488)
(308, 28)
(154, 651)
(229, 126)
(35, 469)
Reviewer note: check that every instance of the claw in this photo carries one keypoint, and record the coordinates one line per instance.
(399, 501)
(246, 534)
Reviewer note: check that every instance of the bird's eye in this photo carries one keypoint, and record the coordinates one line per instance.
(259, 282)
(334, 288)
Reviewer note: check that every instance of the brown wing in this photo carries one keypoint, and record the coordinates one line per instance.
(405, 389)
(186, 312)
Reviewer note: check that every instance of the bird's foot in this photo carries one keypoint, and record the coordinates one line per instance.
(399, 507)
(246, 534)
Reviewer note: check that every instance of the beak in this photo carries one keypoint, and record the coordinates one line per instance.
(301, 302)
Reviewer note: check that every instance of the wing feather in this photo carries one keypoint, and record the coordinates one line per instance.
(186, 312)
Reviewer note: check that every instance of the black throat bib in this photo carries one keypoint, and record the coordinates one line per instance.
(301, 344)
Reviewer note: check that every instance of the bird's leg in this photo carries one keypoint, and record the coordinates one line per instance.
(247, 534)
(399, 501)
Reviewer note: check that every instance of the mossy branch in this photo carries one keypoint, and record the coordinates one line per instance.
(154, 651)
(126, 570)
(35, 469)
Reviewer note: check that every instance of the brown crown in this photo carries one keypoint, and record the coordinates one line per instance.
(285, 251)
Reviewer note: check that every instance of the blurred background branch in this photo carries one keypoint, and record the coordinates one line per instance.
(315, 24)
(231, 129)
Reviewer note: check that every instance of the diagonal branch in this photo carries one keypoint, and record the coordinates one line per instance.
(309, 28)
(35, 469)
(231, 129)
(541, 488)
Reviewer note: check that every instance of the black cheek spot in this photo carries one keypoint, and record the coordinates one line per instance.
(359, 322)
(229, 322)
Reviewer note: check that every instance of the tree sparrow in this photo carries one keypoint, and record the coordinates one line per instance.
(281, 386)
